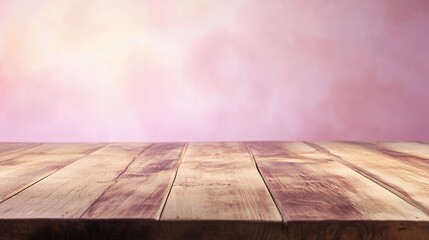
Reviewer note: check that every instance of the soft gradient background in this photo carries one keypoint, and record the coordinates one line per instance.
(203, 70)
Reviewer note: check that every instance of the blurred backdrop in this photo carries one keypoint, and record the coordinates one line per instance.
(203, 70)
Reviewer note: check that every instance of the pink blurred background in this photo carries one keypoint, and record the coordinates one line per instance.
(201, 70)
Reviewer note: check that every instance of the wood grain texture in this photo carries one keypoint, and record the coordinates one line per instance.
(52, 149)
(408, 179)
(410, 150)
(21, 172)
(6, 148)
(312, 187)
(20, 169)
(66, 148)
(411, 153)
(219, 181)
(141, 190)
(68, 192)
(323, 190)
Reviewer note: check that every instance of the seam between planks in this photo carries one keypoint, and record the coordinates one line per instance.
(114, 180)
(386, 151)
(252, 156)
(389, 187)
(35, 182)
(32, 145)
(32, 184)
(185, 148)
(17, 151)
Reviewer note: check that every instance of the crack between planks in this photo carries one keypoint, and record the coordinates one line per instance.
(18, 151)
(389, 187)
(33, 183)
(252, 156)
(37, 181)
(115, 179)
(32, 145)
(396, 154)
(185, 148)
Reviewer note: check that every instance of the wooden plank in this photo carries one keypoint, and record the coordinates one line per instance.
(68, 192)
(141, 190)
(120, 190)
(411, 153)
(311, 187)
(21, 172)
(6, 148)
(53, 148)
(20, 169)
(409, 150)
(407, 179)
(66, 148)
(219, 182)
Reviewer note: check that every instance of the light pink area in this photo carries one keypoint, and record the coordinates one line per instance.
(211, 70)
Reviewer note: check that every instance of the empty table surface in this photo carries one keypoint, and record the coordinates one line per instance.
(215, 190)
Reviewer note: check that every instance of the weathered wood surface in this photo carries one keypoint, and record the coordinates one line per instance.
(408, 150)
(141, 189)
(219, 181)
(68, 192)
(6, 148)
(49, 149)
(255, 190)
(309, 185)
(400, 173)
(20, 169)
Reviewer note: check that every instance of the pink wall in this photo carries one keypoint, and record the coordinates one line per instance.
(194, 70)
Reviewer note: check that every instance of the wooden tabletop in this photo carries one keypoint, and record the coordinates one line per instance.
(222, 190)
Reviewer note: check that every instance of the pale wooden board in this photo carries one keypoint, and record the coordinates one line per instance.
(65, 148)
(309, 185)
(216, 195)
(219, 181)
(416, 149)
(23, 171)
(321, 198)
(412, 153)
(20, 169)
(68, 192)
(141, 190)
(6, 148)
(53, 148)
(407, 179)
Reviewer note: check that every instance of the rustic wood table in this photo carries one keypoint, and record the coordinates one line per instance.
(231, 190)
